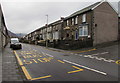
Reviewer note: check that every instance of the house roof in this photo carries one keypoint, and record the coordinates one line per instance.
(91, 7)
(84, 10)
(56, 22)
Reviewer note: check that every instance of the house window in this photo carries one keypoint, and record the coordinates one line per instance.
(43, 36)
(67, 22)
(56, 35)
(83, 31)
(84, 18)
(72, 21)
(76, 20)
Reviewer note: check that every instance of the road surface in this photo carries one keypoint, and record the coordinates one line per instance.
(40, 63)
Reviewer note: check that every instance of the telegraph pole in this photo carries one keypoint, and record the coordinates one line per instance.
(46, 31)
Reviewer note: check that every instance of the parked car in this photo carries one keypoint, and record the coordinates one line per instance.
(15, 44)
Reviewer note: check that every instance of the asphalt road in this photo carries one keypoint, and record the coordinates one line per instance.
(39, 63)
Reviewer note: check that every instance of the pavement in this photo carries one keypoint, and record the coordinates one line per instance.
(10, 68)
(0, 67)
(35, 63)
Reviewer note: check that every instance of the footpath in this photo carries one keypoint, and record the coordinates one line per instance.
(11, 72)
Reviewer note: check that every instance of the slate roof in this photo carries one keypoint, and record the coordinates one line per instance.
(84, 10)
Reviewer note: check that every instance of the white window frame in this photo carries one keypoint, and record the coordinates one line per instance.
(83, 31)
(67, 22)
(84, 18)
(76, 20)
(56, 35)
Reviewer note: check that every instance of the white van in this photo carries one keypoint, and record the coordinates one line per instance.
(14, 43)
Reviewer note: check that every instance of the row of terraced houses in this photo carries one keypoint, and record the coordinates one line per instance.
(93, 25)
(4, 37)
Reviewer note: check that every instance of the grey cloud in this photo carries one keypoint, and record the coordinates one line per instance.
(24, 17)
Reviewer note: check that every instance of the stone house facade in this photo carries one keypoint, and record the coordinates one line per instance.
(98, 23)
(91, 26)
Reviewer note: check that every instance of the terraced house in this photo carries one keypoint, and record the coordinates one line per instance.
(51, 33)
(119, 26)
(4, 37)
(96, 24)
(93, 25)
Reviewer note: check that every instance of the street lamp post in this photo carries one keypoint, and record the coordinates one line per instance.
(47, 33)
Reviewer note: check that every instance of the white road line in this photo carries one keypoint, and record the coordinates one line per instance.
(49, 55)
(104, 52)
(100, 53)
(86, 67)
(43, 53)
(99, 58)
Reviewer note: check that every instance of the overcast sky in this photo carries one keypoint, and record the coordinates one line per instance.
(25, 16)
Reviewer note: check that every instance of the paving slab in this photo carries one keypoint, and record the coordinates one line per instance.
(10, 68)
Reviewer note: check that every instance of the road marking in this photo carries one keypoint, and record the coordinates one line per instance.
(99, 58)
(100, 53)
(34, 60)
(28, 53)
(86, 67)
(49, 55)
(27, 62)
(104, 52)
(23, 68)
(19, 61)
(26, 73)
(86, 51)
(43, 53)
(118, 62)
(41, 77)
(60, 61)
(79, 69)
(72, 52)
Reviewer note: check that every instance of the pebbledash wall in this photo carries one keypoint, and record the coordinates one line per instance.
(93, 25)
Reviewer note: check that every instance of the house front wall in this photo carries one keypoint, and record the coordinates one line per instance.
(119, 28)
(105, 24)
(57, 31)
(0, 30)
(73, 32)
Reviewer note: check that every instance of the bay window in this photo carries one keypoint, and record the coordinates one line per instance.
(83, 31)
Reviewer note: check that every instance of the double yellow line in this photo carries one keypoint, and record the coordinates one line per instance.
(75, 52)
(86, 50)
(23, 67)
(25, 70)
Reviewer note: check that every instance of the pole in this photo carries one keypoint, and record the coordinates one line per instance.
(47, 33)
